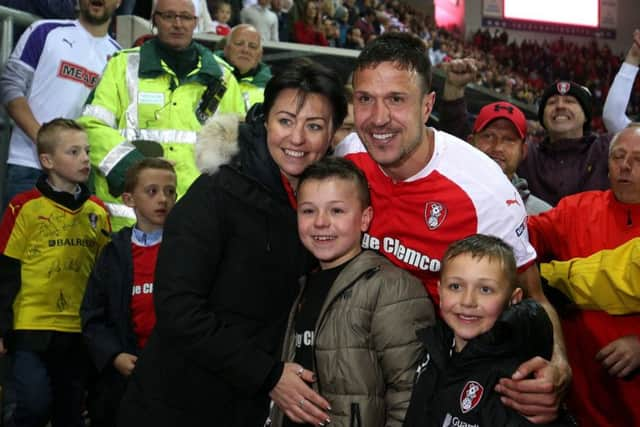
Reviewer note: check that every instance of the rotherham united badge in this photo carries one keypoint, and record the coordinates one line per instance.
(470, 396)
(434, 214)
(563, 87)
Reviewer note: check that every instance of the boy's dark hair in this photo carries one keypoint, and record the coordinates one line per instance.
(308, 77)
(406, 50)
(338, 167)
(48, 134)
(133, 173)
(482, 246)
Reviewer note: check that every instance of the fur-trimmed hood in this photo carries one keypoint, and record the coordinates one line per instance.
(217, 142)
(225, 140)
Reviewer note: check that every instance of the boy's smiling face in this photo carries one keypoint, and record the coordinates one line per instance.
(331, 220)
(473, 294)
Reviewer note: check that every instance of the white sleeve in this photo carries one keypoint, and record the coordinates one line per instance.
(615, 105)
(16, 78)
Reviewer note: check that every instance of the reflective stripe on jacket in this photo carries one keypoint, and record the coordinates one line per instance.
(141, 98)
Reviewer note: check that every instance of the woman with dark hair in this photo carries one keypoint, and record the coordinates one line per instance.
(308, 29)
(228, 268)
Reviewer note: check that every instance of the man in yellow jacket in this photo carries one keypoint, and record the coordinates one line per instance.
(152, 100)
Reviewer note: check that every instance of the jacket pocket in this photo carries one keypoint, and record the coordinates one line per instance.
(355, 421)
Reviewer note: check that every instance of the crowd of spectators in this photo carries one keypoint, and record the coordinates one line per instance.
(520, 70)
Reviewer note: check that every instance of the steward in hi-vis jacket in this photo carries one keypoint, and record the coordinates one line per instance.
(152, 101)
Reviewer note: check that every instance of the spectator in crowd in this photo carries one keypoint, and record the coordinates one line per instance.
(342, 18)
(331, 32)
(353, 11)
(175, 86)
(243, 51)
(308, 29)
(615, 106)
(603, 349)
(465, 358)
(53, 60)
(376, 356)
(436, 55)
(570, 159)
(117, 309)
(421, 167)
(365, 24)
(327, 8)
(347, 125)
(221, 12)
(281, 9)
(229, 265)
(354, 39)
(500, 131)
(263, 19)
(50, 237)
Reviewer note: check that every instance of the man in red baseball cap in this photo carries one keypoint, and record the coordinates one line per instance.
(500, 131)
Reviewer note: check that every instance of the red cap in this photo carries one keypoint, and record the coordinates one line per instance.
(501, 110)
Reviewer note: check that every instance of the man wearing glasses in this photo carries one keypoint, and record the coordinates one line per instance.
(152, 100)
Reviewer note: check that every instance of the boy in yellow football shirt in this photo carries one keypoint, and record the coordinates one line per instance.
(49, 239)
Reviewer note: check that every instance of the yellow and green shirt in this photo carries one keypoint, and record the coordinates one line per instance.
(56, 238)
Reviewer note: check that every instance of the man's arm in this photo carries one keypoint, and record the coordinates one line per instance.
(607, 280)
(615, 105)
(15, 83)
(452, 106)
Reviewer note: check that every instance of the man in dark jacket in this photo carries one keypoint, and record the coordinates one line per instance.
(569, 160)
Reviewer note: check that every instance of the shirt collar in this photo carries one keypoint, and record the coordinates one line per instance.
(76, 192)
(141, 238)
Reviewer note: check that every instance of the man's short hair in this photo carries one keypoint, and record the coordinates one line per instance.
(49, 133)
(481, 246)
(633, 125)
(133, 173)
(307, 77)
(154, 5)
(341, 168)
(406, 50)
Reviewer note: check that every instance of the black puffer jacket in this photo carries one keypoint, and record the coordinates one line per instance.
(226, 277)
(454, 389)
(105, 310)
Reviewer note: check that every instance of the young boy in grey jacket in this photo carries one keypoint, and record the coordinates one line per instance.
(354, 322)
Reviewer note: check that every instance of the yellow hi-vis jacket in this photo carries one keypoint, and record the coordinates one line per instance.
(140, 98)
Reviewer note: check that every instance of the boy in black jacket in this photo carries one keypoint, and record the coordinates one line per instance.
(117, 311)
(485, 333)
